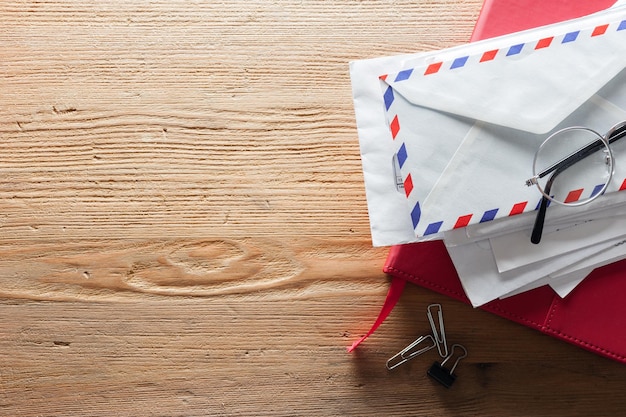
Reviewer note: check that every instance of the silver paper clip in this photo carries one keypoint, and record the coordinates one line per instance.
(411, 351)
(439, 335)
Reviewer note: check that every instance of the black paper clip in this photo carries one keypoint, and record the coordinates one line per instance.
(438, 335)
(443, 375)
(411, 351)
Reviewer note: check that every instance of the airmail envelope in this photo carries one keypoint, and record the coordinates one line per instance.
(464, 123)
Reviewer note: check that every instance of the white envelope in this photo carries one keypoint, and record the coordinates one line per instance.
(465, 122)
(466, 131)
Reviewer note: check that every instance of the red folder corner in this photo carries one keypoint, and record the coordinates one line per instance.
(593, 316)
(501, 17)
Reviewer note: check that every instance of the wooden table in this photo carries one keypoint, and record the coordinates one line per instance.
(184, 228)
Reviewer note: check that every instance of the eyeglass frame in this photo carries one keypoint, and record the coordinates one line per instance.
(615, 133)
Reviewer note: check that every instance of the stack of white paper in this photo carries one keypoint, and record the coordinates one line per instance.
(448, 139)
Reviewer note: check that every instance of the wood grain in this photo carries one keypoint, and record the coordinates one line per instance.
(184, 228)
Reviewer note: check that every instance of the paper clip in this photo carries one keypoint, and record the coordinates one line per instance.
(439, 336)
(441, 374)
(409, 352)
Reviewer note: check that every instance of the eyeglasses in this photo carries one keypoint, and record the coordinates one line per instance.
(588, 166)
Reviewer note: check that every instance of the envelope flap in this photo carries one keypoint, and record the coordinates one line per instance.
(531, 85)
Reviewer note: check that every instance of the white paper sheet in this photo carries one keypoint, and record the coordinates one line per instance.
(515, 250)
(482, 282)
(562, 284)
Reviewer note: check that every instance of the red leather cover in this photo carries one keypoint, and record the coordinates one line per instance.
(500, 17)
(593, 316)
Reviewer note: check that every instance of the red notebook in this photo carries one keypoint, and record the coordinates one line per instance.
(501, 17)
(593, 316)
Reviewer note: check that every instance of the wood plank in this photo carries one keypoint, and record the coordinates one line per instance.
(184, 227)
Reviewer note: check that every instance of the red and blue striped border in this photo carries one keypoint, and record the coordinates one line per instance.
(512, 50)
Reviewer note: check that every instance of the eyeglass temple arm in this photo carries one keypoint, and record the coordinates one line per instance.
(613, 136)
(535, 236)
(617, 133)
(573, 158)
